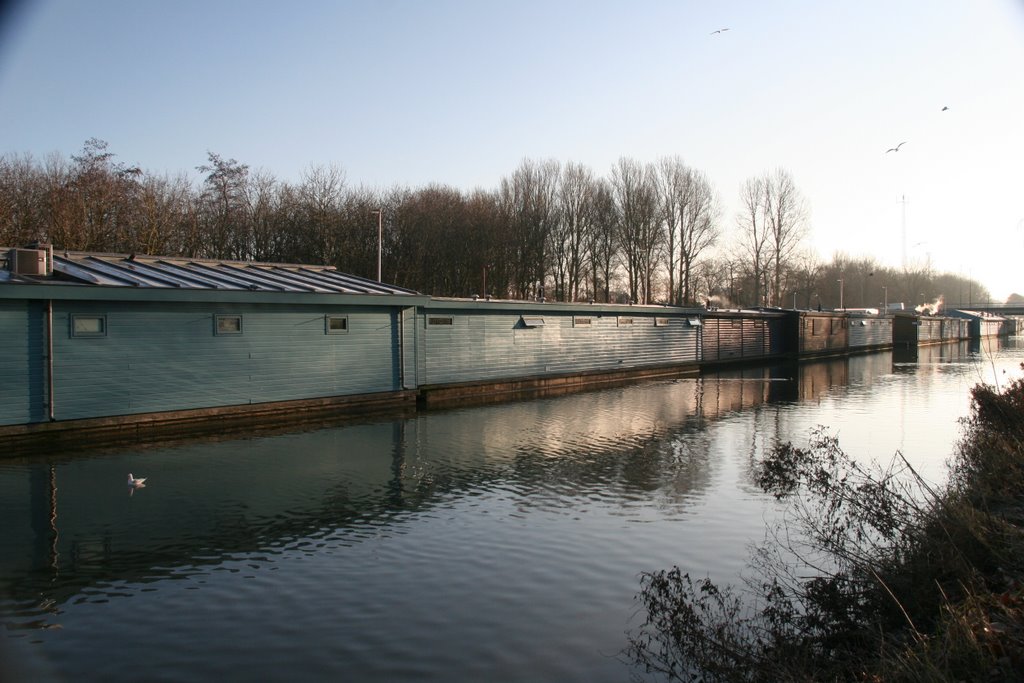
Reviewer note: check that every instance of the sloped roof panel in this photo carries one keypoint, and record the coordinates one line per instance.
(115, 270)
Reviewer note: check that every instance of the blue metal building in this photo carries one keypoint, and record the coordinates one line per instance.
(469, 348)
(104, 348)
(86, 336)
(868, 332)
(982, 324)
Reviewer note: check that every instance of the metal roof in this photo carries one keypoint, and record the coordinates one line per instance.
(157, 272)
(980, 315)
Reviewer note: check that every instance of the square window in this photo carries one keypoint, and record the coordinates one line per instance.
(578, 321)
(336, 324)
(440, 320)
(88, 326)
(625, 321)
(228, 324)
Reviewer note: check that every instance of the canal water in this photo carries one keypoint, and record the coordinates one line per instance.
(498, 543)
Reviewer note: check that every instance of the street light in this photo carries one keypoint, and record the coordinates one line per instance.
(840, 281)
(885, 301)
(380, 237)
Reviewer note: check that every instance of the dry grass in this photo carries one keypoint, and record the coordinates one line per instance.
(873, 576)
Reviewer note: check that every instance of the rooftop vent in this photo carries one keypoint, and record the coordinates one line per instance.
(27, 261)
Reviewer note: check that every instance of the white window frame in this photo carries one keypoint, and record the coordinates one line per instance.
(328, 319)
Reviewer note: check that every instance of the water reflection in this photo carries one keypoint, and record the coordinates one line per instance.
(71, 526)
(662, 454)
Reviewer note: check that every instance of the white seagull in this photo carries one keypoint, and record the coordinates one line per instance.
(896, 148)
(136, 482)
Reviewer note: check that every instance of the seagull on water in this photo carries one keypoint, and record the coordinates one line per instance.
(896, 148)
(136, 482)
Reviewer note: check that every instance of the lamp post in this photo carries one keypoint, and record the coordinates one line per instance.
(380, 237)
(885, 300)
(840, 281)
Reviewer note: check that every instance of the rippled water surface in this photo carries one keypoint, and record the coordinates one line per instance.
(499, 543)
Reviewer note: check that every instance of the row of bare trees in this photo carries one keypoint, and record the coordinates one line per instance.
(649, 232)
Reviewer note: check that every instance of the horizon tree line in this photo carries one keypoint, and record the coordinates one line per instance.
(648, 232)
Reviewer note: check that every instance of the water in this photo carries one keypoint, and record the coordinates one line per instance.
(499, 543)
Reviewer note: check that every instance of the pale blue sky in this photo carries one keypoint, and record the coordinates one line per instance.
(459, 92)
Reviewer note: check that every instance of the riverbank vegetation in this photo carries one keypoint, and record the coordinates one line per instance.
(871, 575)
(649, 232)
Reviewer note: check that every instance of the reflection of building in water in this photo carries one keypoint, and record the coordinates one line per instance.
(736, 390)
(817, 379)
(210, 501)
(933, 354)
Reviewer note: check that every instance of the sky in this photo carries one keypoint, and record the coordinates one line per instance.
(460, 92)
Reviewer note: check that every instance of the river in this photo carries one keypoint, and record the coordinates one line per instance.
(498, 543)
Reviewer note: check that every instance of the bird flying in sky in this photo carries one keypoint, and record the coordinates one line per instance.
(721, 30)
(896, 148)
(945, 109)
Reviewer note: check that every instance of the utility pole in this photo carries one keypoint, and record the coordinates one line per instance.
(380, 237)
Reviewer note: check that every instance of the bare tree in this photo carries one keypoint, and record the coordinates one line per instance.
(805, 276)
(603, 241)
(161, 216)
(22, 201)
(772, 222)
(97, 194)
(753, 234)
(670, 179)
(528, 200)
(357, 232)
(321, 195)
(262, 198)
(490, 242)
(786, 211)
(570, 237)
(640, 233)
(690, 208)
(428, 217)
(223, 203)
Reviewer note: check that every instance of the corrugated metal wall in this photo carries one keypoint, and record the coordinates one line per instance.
(823, 333)
(735, 337)
(869, 332)
(469, 345)
(989, 328)
(157, 357)
(22, 362)
(954, 329)
(755, 338)
(929, 329)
